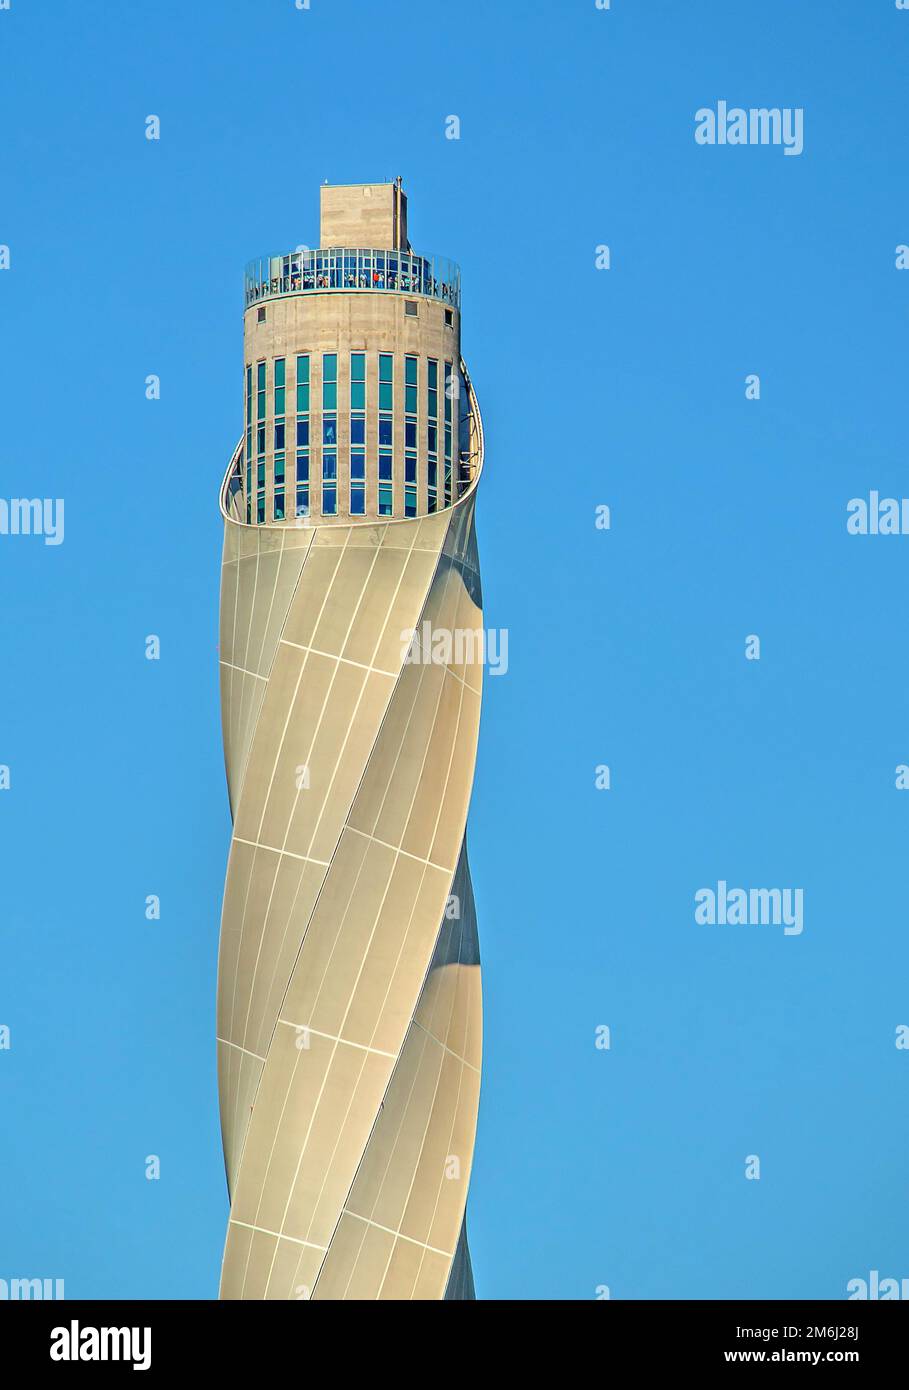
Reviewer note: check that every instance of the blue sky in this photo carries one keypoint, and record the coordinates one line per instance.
(623, 387)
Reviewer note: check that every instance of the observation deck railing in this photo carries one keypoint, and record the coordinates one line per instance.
(352, 268)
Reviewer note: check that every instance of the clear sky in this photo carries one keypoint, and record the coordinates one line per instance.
(625, 387)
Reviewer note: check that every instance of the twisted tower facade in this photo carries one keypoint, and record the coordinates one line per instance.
(349, 1013)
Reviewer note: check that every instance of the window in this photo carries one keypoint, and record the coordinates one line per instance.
(260, 391)
(279, 386)
(449, 318)
(410, 435)
(449, 390)
(302, 437)
(386, 381)
(330, 381)
(279, 506)
(329, 433)
(386, 430)
(410, 308)
(249, 436)
(358, 381)
(249, 405)
(261, 315)
(432, 433)
(260, 507)
(303, 385)
(357, 432)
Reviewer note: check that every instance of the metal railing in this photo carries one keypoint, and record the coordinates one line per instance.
(352, 268)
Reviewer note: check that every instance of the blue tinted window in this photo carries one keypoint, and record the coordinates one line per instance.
(329, 465)
(302, 501)
(384, 501)
(357, 501)
(279, 434)
(385, 467)
(279, 468)
(357, 466)
(330, 500)
(410, 434)
(303, 434)
(410, 468)
(384, 430)
(358, 430)
(329, 431)
(410, 501)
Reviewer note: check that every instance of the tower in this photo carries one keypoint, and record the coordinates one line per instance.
(349, 1015)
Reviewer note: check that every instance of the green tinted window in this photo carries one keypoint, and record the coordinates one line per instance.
(410, 371)
(386, 366)
(279, 371)
(330, 366)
